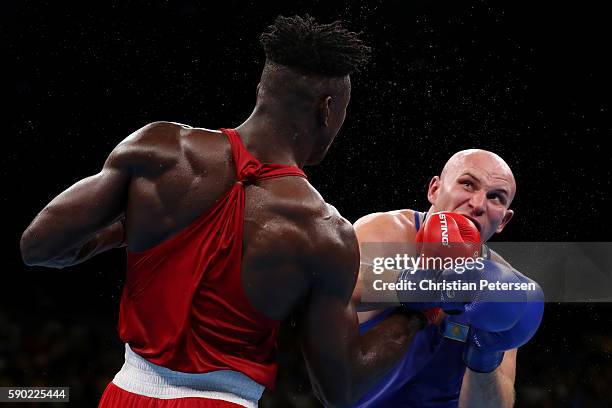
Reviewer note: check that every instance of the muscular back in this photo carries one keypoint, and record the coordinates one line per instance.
(180, 172)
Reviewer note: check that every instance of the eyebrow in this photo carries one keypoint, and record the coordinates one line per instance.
(467, 173)
(500, 189)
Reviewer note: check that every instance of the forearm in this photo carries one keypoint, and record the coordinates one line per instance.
(368, 295)
(382, 347)
(110, 237)
(493, 390)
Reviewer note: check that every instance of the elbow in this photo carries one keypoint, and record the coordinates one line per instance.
(29, 254)
(32, 253)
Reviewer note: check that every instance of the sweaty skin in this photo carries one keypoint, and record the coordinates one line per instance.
(475, 183)
(299, 254)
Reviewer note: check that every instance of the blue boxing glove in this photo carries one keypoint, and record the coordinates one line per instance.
(468, 291)
(418, 298)
(494, 324)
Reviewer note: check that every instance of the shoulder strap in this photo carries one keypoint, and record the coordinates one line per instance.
(237, 149)
(419, 219)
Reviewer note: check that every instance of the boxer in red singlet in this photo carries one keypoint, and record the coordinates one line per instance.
(226, 238)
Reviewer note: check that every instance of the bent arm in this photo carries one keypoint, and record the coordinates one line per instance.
(81, 221)
(85, 219)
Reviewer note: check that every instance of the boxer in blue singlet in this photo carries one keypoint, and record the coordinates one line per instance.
(479, 185)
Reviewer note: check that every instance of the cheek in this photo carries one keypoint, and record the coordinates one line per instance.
(456, 197)
(496, 216)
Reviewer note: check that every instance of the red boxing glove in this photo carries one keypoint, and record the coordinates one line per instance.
(448, 235)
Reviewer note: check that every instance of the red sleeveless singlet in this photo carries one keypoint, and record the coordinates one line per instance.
(183, 306)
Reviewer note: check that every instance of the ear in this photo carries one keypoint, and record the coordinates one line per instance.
(432, 191)
(324, 111)
(506, 220)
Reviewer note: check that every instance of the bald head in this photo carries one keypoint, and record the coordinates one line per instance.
(478, 184)
(489, 164)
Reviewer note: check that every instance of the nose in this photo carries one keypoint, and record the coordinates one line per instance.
(478, 201)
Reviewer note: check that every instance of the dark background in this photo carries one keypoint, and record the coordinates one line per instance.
(529, 81)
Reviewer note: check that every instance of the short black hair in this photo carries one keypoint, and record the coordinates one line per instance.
(306, 46)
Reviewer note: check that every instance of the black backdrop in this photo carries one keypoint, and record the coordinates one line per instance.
(530, 82)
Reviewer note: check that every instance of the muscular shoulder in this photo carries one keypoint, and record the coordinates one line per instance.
(320, 237)
(390, 226)
(335, 253)
(150, 149)
(319, 223)
(335, 231)
(158, 146)
(154, 133)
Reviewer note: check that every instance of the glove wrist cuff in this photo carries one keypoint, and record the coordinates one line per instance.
(482, 362)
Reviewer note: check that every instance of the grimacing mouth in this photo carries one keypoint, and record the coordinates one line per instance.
(476, 223)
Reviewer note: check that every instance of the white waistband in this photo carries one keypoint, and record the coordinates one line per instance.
(139, 376)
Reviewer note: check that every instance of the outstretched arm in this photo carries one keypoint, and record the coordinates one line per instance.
(343, 365)
(81, 221)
